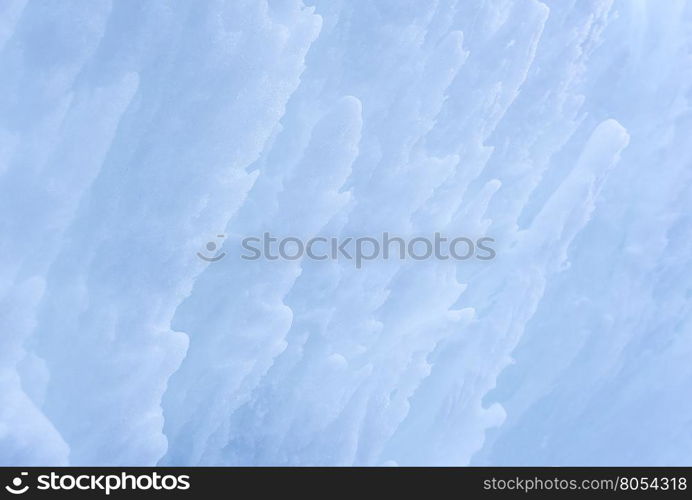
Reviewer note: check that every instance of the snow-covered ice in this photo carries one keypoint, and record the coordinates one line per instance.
(132, 133)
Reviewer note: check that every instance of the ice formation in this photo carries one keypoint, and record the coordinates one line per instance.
(133, 132)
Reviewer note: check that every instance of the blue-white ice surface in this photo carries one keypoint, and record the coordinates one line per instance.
(131, 133)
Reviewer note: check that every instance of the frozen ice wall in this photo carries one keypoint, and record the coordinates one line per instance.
(132, 133)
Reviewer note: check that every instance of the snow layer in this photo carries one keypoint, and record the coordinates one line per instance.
(131, 133)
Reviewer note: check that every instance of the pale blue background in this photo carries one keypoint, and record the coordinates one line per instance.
(134, 132)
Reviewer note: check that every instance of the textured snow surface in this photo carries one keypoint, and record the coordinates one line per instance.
(131, 133)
